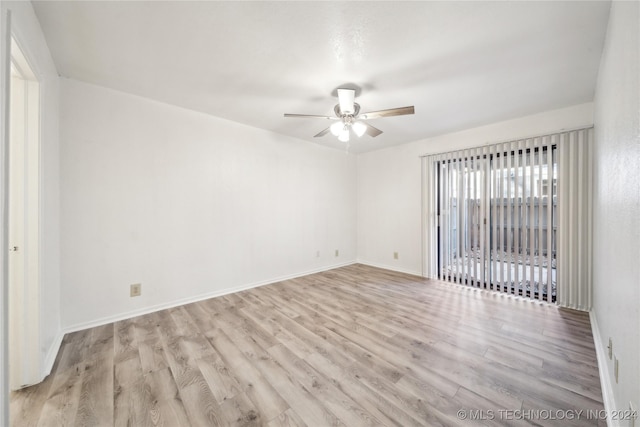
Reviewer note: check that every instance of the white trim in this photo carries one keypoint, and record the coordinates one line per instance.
(390, 267)
(189, 300)
(424, 214)
(25, 229)
(605, 378)
(50, 358)
(5, 61)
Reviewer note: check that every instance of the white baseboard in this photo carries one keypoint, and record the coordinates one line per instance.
(390, 267)
(605, 378)
(196, 298)
(52, 353)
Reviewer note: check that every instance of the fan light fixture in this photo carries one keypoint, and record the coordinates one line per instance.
(348, 117)
(344, 135)
(341, 129)
(337, 128)
(359, 128)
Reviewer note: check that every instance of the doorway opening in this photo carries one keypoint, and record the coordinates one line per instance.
(24, 222)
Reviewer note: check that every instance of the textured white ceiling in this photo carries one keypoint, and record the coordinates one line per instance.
(462, 64)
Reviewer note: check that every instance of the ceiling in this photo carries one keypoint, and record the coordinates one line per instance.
(462, 64)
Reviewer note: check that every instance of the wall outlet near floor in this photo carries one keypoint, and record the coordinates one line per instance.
(337, 252)
(135, 290)
(395, 255)
(317, 254)
(615, 368)
(610, 347)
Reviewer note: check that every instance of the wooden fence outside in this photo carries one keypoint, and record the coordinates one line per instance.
(511, 221)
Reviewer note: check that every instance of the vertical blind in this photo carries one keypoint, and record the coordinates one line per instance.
(513, 217)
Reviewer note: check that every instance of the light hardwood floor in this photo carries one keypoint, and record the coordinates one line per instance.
(351, 346)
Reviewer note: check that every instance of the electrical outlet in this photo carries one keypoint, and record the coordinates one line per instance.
(615, 368)
(610, 347)
(135, 290)
(337, 252)
(633, 415)
(395, 255)
(317, 254)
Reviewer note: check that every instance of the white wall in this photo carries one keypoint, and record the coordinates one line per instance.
(26, 30)
(616, 255)
(188, 205)
(389, 184)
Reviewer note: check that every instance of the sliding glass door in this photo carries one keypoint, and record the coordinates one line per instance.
(496, 218)
(461, 203)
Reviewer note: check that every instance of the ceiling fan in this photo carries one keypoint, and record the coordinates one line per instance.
(349, 118)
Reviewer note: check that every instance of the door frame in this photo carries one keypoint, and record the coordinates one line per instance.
(24, 216)
(5, 75)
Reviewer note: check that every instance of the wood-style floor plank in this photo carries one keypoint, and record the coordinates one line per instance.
(354, 346)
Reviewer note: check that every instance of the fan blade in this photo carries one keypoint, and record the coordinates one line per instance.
(310, 116)
(346, 98)
(388, 113)
(371, 131)
(322, 133)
